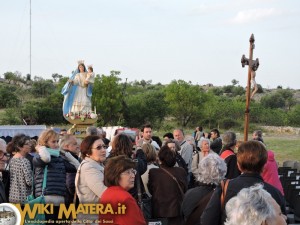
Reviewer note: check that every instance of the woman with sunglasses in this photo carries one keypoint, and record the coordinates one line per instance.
(119, 176)
(90, 174)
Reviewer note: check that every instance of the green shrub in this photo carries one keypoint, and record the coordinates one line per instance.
(228, 123)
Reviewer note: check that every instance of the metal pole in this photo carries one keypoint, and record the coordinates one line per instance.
(246, 127)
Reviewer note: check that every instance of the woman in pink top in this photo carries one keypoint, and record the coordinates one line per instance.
(270, 172)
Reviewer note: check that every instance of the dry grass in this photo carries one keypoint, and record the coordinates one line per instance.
(285, 147)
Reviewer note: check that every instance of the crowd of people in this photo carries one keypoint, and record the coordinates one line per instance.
(203, 178)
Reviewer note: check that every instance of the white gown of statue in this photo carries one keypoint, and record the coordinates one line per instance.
(82, 103)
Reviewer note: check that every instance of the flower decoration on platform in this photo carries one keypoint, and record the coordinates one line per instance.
(81, 115)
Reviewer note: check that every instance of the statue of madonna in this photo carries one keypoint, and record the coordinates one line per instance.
(78, 91)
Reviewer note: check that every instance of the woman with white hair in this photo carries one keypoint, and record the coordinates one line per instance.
(211, 172)
(254, 206)
(204, 145)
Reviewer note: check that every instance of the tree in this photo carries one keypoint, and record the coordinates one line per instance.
(146, 107)
(10, 76)
(209, 109)
(288, 96)
(56, 76)
(238, 90)
(11, 117)
(42, 87)
(29, 112)
(260, 89)
(228, 108)
(228, 89)
(8, 97)
(273, 101)
(19, 78)
(107, 97)
(185, 101)
(234, 82)
(274, 117)
(216, 91)
(294, 116)
(143, 83)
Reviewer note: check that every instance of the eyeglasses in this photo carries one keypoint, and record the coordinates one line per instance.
(99, 147)
(129, 172)
(2, 154)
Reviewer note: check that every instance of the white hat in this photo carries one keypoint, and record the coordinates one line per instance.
(2, 145)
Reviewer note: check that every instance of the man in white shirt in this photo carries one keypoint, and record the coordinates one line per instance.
(147, 137)
(186, 150)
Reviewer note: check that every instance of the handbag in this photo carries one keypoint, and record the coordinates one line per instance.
(144, 201)
(224, 185)
(6, 179)
(146, 207)
(6, 182)
(39, 219)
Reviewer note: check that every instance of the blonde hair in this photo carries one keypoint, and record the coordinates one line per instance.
(46, 135)
(150, 152)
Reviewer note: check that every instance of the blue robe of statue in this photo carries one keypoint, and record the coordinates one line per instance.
(69, 91)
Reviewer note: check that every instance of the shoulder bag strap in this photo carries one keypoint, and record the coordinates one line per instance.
(45, 179)
(182, 143)
(138, 185)
(77, 177)
(32, 181)
(174, 178)
(139, 190)
(199, 208)
(224, 185)
(7, 163)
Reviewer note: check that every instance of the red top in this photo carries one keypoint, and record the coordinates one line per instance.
(226, 153)
(133, 214)
(270, 172)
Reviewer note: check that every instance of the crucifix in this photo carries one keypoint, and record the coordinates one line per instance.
(252, 67)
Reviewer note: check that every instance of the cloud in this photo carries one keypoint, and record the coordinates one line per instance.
(202, 9)
(252, 15)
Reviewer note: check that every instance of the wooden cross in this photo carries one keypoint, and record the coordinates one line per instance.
(252, 67)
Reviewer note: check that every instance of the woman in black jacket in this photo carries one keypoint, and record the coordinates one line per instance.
(211, 170)
(49, 155)
(167, 186)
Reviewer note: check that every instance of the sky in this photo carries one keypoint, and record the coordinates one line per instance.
(158, 40)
